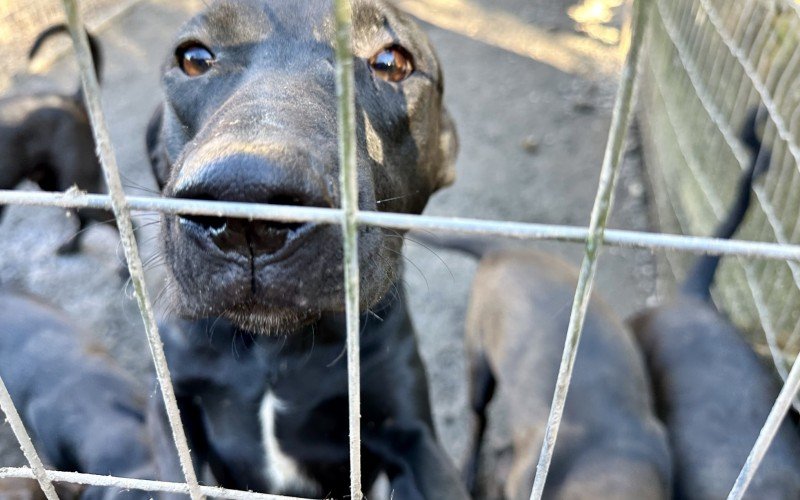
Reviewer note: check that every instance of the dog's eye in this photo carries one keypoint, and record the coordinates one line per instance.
(393, 63)
(194, 59)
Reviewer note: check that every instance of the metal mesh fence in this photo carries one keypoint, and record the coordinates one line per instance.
(710, 63)
(716, 26)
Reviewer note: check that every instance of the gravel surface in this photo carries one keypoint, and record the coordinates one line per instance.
(532, 140)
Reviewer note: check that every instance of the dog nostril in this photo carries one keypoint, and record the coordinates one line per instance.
(208, 223)
(286, 200)
(262, 237)
(214, 224)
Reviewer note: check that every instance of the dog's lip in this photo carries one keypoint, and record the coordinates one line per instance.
(204, 239)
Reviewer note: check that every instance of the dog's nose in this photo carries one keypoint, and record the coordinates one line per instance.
(249, 179)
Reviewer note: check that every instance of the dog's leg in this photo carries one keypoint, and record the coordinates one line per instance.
(167, 462)
(483, 383)
(416, 465)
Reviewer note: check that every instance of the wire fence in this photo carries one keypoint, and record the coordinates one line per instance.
(710, 63)
(716, 26)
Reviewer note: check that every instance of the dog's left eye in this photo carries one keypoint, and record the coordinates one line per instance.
(194, 58)
(392, 64)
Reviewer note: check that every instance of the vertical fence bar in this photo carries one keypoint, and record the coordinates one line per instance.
(25, 444)
(349, 191)
(776, 417)
(91, 91)
(602, 207)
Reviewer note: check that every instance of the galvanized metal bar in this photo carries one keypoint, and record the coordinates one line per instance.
(37, 470)
(773, 423)
(478, 227)
(600, 212)
(138, 484)
(348, 182)
(91, 92)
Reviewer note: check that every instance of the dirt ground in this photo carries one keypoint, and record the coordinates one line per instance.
(532, 139)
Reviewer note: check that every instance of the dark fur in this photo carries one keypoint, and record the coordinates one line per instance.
(47, 138)
(261, 126)
(713, 392)
(83, 413)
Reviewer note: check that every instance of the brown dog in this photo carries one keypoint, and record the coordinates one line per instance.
(610, 446)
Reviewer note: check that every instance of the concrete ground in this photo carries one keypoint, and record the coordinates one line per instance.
(532, 133)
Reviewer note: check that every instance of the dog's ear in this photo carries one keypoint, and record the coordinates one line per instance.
(156, 151)
(448, 151)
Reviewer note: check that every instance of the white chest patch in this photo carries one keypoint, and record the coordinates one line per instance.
(283, 472)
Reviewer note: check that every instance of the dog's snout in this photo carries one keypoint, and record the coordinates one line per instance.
(249, 179)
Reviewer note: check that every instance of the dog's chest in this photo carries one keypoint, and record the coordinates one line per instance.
(275, 415)
(284, 473)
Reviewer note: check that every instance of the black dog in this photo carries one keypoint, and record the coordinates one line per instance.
(83, 413)
(713, 392)
(250, 116)
(47, 138)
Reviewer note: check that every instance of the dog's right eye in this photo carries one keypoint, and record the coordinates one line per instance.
(194, 58)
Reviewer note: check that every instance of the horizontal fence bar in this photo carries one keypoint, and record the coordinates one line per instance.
(478, 227)
(138, 484)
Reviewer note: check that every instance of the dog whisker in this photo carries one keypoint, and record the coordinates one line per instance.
(397, 197)
(127, 182)
(311, 349)
(435, 254)
(419, 269)
(338, 357)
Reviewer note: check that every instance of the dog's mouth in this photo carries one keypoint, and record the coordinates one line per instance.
(272, 277)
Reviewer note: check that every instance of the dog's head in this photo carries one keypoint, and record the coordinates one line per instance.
(250, 116)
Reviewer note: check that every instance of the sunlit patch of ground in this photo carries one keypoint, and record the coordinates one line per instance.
(593, 16)
(568, 52)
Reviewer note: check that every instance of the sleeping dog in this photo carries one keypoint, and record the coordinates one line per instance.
(84, 414)
(713, 392)
(249, 115)
(46, 137)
